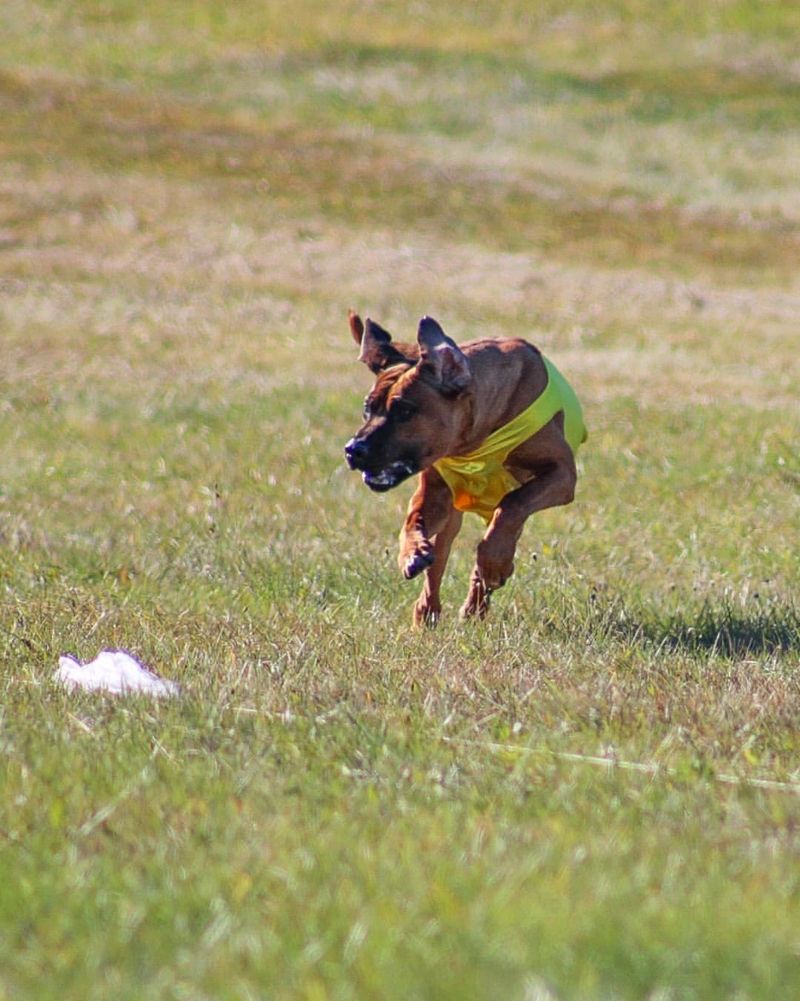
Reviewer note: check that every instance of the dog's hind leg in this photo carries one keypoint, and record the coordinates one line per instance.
(428, 606)
(553, 485)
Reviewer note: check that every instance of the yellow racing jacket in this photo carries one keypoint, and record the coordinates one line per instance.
(479, 481)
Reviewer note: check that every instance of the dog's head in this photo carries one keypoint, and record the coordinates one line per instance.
(415, 412)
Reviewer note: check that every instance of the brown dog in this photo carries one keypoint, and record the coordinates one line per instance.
(491, 427)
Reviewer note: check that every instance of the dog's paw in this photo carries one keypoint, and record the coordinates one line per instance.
(495, 564)
(477, 604)
(419, 560)
(426, 613)
(475, 607)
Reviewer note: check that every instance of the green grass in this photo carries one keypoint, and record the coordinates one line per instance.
(191, 197)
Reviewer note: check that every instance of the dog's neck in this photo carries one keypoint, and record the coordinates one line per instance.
(499, 392)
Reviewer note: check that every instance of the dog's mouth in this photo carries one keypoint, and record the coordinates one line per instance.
(388, 477)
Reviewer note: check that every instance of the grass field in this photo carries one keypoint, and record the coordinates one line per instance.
(596, 794)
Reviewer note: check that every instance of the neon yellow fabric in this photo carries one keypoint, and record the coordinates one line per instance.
(479, 480)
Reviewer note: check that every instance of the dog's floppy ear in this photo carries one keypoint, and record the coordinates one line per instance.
(442, 357)
(377, 351)
(356, 326)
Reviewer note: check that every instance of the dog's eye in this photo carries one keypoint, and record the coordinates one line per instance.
(367, 411)
(403, 411)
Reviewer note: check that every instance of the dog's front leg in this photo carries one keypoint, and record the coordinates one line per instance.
(552, 487)
(428, 606)
(430, 526)
(428, 512)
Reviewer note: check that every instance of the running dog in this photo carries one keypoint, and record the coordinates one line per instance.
(491, 427)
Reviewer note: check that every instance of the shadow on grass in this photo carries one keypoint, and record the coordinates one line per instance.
(727, 629)
(733, 632)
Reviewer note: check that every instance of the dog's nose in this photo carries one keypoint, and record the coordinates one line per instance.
(355, 452)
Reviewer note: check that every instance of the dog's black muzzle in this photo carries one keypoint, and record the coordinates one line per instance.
(355, 452)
